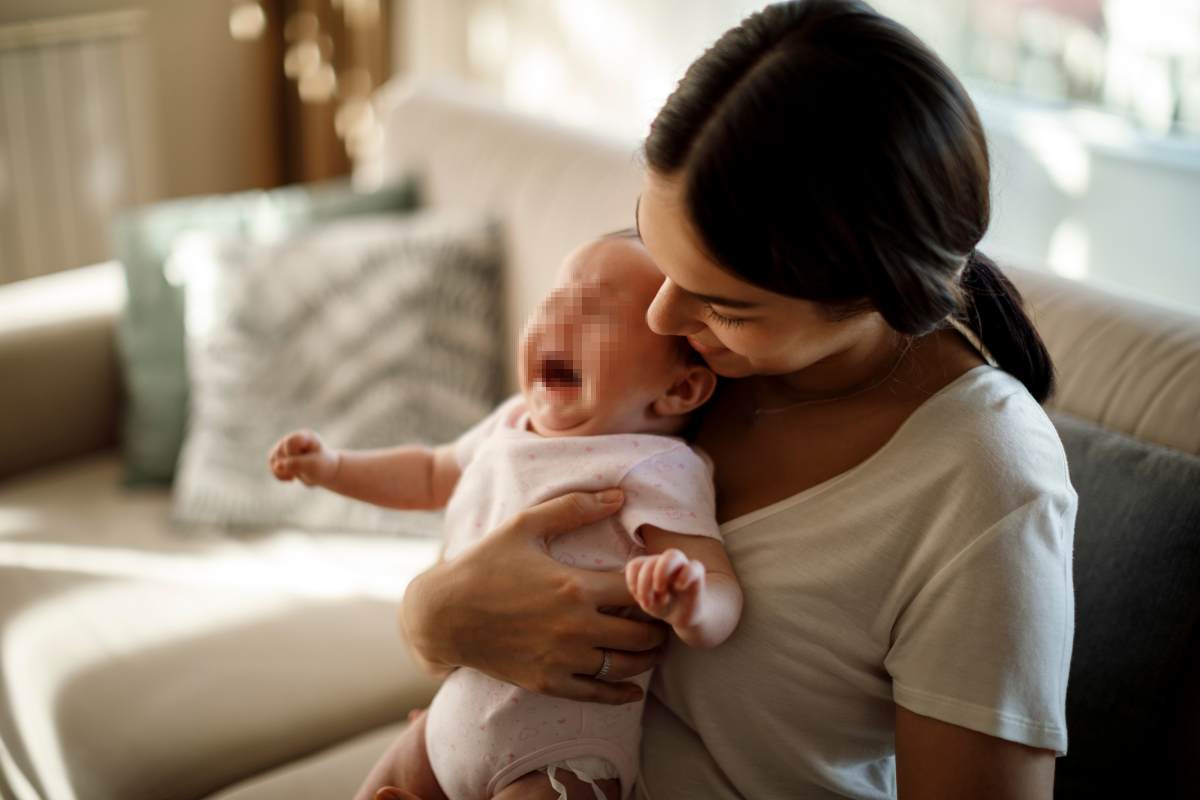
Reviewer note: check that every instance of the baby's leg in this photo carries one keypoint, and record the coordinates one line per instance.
(405, 765)
(536, 786)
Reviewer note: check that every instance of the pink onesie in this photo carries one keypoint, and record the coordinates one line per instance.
(482, 734)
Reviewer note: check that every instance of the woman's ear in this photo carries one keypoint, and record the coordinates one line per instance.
(690, 390)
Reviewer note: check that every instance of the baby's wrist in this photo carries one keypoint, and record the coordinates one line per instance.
(337, 467)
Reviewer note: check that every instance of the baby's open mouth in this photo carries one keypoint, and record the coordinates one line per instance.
(558, 373)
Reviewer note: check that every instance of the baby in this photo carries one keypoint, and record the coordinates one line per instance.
(603, 401)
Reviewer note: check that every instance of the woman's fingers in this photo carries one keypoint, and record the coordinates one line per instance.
(645, 585)
(605, 588)
(508, 609)
(621, 665)
(566, 513)
(633, 570)
(593, 691)
(629, 635)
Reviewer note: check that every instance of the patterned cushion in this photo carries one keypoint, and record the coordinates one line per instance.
(373, 331)
(150, 336)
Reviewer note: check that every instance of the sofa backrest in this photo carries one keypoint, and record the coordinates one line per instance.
(1126, 365)
(552, 187)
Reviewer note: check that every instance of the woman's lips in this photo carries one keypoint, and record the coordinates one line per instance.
(705, 349)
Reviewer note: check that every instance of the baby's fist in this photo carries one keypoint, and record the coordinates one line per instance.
(668, 586)
(303, 455)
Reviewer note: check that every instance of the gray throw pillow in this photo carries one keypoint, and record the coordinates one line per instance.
(150, 332)
(1137, 610)
(373, 331)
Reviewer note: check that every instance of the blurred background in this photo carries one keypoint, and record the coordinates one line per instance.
(1092, 107)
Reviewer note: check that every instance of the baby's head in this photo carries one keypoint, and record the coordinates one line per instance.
(590, 365)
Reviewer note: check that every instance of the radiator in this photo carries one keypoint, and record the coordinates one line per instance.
(76, 138)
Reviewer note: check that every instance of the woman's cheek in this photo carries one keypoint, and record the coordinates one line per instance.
(742, 341)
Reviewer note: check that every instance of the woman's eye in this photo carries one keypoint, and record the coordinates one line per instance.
(721, 319)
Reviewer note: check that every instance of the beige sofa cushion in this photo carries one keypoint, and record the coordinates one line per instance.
(332, 773)
(136, 660)
(61, 388)
(1125, 364)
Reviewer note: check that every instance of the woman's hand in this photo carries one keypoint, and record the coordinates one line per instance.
(506, 608)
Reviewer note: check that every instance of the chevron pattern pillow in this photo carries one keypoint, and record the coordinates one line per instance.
(372, 331)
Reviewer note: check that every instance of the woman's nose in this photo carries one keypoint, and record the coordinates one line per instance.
(668, 312)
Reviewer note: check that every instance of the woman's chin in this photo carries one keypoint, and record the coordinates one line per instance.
(729, 365)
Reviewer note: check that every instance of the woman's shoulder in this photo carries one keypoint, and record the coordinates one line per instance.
(984, 472)
(987, 426)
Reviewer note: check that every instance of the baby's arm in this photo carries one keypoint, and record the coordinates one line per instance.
(688, 582)
(406, 477)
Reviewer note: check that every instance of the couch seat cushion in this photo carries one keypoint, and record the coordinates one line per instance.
(138, 663)
(335, 772)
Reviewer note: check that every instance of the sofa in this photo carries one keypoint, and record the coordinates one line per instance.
(138, 663)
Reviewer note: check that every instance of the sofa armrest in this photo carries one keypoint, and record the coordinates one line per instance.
(58, 366)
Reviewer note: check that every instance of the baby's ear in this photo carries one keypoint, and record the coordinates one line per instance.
(691, 390)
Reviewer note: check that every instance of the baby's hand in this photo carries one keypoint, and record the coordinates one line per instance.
(303, 455)
(668, 586)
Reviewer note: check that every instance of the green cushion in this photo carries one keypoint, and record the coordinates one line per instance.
(150, 334)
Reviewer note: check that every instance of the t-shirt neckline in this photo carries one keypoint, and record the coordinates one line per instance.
(779, 505)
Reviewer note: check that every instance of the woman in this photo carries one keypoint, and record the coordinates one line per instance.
(897, 509)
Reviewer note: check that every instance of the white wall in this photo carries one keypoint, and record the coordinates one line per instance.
(1079, 192)
(1085, 195)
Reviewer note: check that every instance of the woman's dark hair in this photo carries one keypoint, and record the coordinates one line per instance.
(826, 153)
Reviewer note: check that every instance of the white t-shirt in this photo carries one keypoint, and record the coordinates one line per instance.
(935, 575)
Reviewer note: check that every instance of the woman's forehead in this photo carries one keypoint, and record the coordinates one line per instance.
(667, 232)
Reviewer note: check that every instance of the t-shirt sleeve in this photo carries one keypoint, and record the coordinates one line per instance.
(469, 441)
(672, 490)
(986, 642)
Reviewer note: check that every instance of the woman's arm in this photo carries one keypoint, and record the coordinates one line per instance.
(939, 761)
(505, 607)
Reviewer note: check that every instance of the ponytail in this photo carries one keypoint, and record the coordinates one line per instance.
(995, 312)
